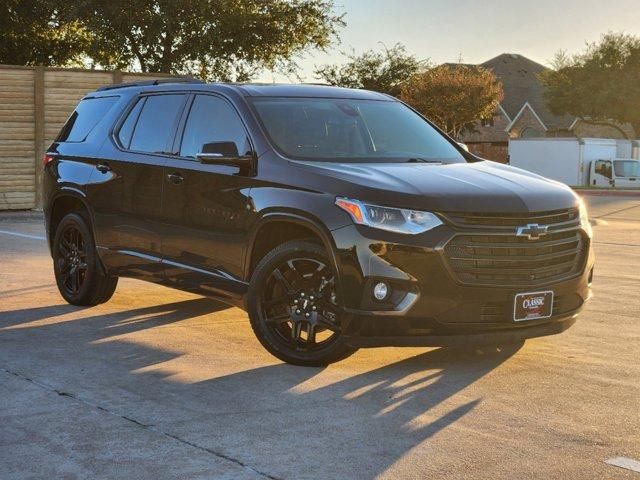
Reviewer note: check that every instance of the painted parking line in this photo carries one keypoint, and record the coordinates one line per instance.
(624, 462)
(22, 235)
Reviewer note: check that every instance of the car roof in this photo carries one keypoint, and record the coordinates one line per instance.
(244, 89)
(306, 90)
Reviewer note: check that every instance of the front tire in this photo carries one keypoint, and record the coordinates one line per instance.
(293, 308)
(79, 274)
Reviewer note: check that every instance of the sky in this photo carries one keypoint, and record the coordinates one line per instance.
(473, 30)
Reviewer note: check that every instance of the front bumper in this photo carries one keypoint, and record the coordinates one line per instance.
(433, 308)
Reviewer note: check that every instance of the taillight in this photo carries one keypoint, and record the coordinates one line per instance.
(47, 158)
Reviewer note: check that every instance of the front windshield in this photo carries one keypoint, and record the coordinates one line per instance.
(330, 129)
(626, 168)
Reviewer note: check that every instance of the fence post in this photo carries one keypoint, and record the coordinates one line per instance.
(38, 98)
(117, 76)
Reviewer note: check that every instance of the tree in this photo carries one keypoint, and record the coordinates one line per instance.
(383, 72)
(454, 97)
(602, 84)
(32, 33)
(214, 39)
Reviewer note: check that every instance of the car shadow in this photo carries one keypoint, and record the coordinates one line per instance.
(154, 316)
(350, 420)
(356, 426)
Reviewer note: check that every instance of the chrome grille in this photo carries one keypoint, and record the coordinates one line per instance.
(488, 252)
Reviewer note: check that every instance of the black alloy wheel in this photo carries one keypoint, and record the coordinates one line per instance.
(293, 305)
(71, 258)
(80, 277)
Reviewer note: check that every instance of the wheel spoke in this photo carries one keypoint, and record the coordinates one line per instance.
(328, 324)
(284, 282)
(331, 308)
(322, 271)
(298, 279)
(277, 319)
(64, 247)
(274, 302)
(74, 281)
(296, 330)
(311, 335)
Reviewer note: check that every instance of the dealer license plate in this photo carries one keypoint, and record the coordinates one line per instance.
(532, 306)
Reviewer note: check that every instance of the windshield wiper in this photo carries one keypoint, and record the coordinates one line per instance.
(422, 160)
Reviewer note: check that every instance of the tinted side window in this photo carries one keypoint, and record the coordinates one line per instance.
(212, 119)
(126, 130)
(86, 116)
(156, 122)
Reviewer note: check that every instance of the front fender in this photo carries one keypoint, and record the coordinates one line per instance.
(313, 210)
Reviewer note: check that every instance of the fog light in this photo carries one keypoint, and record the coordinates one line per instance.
(380, 291)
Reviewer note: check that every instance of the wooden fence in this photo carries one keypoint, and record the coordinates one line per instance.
(34, 104)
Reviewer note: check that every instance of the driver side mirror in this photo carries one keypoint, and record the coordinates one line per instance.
(225, 153)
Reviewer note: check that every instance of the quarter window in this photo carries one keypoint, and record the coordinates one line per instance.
(126, 130)
(85, 117)
(156, 123)
(211, 120)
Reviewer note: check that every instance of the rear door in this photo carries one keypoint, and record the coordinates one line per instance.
(126, 190)
(205, 206)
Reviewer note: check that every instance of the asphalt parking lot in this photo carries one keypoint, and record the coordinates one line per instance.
(162, 384)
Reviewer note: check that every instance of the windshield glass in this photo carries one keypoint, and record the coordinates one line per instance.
(343, 130)
(626, 168)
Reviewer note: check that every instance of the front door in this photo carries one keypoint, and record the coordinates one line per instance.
(126, 187)
(205, 206)
(601, 173)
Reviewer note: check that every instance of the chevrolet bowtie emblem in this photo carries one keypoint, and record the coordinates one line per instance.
(532, 231)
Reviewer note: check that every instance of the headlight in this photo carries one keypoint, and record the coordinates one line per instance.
(386, 218)
(584, 219)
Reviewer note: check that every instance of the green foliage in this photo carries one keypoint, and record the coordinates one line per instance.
(601, 84)
(32, 33)
(383, 72)
(214, 39)
(454, 97)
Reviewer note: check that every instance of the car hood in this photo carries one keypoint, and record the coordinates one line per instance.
(459, 187)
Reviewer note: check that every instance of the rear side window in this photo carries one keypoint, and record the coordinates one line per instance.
(155, 124)
(212, 119)
(85, 117)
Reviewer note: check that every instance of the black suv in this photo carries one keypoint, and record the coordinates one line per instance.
(336, 218)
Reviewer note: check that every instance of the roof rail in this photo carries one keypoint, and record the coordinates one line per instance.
(145, 83)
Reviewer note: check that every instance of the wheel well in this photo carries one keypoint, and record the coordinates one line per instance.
(276, 233)
(61, 207)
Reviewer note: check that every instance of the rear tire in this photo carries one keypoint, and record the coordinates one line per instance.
(292, 305)
(79, 274)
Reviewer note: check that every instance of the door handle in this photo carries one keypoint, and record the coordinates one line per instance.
(103, 167)
(175, 178)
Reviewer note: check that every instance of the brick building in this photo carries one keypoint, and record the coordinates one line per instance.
(523, 112)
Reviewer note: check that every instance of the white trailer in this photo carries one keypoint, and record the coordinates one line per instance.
(572, 160)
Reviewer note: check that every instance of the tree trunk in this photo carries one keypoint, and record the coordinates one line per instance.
(167, 53)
